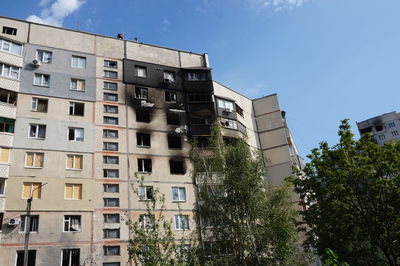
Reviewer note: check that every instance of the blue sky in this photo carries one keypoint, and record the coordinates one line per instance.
(326, 59)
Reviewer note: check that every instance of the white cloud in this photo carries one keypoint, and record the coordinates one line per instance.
(166, 22)
(277, 5)
(55, 14)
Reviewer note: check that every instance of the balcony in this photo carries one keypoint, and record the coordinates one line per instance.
(4, 170)
(9, 84)
(200, 130)
(8, 110)
(6, 139)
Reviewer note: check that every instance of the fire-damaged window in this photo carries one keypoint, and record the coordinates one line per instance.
(170, 96)
(173, 119)
(8, 97)
(196, 76)
(72, 223)
(174, 142)
(239, 110)
(141, 93)
(145, 192)
(31, 258)
(144, 165)
(70, 257)
(143, 139)
(193, 98)
(142, 115)
(177, 167)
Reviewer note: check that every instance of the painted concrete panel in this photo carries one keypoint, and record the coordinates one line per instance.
(270, 121)
(9, 84)
(109, 47)
(11, 59)
(191, 60)
(6, 139)
(8, 110)
(4, 170)
(266, 104)
(152, 54)
(22, 29)
(277, 155)
(273, 138)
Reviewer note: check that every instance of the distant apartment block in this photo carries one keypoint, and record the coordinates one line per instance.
(82, 115)
(383, 128)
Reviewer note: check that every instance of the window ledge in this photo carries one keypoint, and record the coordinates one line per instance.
(42, 86)
(178, 201)
(145, 147)
(32, 167)
(77, 90)
(73, 169)
(38, 111)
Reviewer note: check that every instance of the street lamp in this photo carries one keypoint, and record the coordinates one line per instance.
(28, 224)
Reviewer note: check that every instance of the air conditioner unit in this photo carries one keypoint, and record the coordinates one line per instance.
(225, 123)
(227, 110)
(13, 221)
(36, 63)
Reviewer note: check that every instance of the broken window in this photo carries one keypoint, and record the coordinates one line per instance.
(111, 233)
(110, 146)
(44, 56)
(177, 167)
(9, 71)
(72, 223)
(379, 128)
(31, 258)
(239, 110)
(110, 173)
(77, 85)
(9, 30)
(111, 218)
(169, 76)
(110, 159)
(110, 120)
(144, 165)
(228, 123)
(8, 97)
(143, 139)
(174, 142)
(145, 192)
(173, 119)
(37, 131)
(142, 115)
(196, 76)
(75, 134)
(76, 108)
(109, 133)
(7, 125)
(39, 105)
(111, 188)
(199, 98)
(111, 64)
(141, 93)
(170, 96)
(112, 109)
(70, 257)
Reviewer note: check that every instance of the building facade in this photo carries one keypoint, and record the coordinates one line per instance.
(84, 117)
(383, 128)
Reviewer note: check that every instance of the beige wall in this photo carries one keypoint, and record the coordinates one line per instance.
(22, 29)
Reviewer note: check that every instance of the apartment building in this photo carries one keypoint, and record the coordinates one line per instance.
(85, 117)
(383, 128)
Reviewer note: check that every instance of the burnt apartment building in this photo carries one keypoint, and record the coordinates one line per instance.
(83, 117)
(383, 128)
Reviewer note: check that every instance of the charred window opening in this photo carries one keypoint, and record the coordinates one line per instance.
(201, 142)
(8, 97)
(173, 119)
(144, 165)
(141, 93)
(366, 130)
(170, 96)
(31, 258)
(193, 98)
(70, 257)
(239, 110)
(9, 30)
(379, 128)
(143, 139)
(142, 115)
(177, 167)
(76, 108)
(174, 142)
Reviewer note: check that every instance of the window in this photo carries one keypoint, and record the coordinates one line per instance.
(4, 155)
(70, 257)
(110, 146)
(147, 221)
(110, 173)
(199, 98)
(9, 71)
(74, 162)
(144, 165)
(8, 97)
(9, 30)
(37, 131)
(7, 125)
(196, 76)
(142, 115)
(34, 159)
(169, 76)
(110, 86)
(2, 187)
(110, 159)
(112, 251)
(176, 167)
(170, 96)
(72, 223)
(111, 202)
(178, 194)
(226, 105)
(110, 97)
(34, 223)
(43, 56)
(78, 61)
(141, 71)
(73, 191)
(31, 258)
(111, 264)
(143, 139)
(173, 119)
(181, 222)
(112, 64)
(111, 218)
(1, 220)
(33, 190)
(10, 47)
(379, 128)
(39, 105)
(228, 123)
(174, 142)
(110, 74)
(111, 233)
(110, 120)
(395, 133)
(239, 110)
(111, 188)
(112, 109)
(141, 93)
(77, 85)
(145, 192)
(77, 109)
(391, 124)
(41, 80)
(109, 133)
(382, 137)
(75, 134)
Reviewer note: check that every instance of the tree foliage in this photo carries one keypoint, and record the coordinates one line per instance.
(351, 193)
(242, 221)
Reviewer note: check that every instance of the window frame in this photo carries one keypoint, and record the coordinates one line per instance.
(109, 253)
(35, 101)
(34, 154)
(141, 163)
(116, 200)
(108, 107)
(169, 95)
(107, 157)
(111, 229)
(140, 140)
(31, 189)
(110, 171)
(141, 71)
(2, 187)
(42, 57)
(107, 63)
(33, 225)
(145, 193)
(11, 44)
(110, 74)
(76, 139)
(141, 93)
(10, 71)
(106, 185)
(80, 196)
(72, 107)
(9, 31)
(37, 133)
(68, 221)
(107, 143)
(107, 131)
(42, 82)
(179, 224)
(78, 59)
(107, 97)
(74, 156)
(107, 220)
(179, 189)
(106, 86)
(80, 85)
(107, 119)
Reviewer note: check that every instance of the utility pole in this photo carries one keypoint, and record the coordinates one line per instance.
(28, 224)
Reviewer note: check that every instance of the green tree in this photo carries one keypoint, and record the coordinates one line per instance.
(242, 221)
(351, 193)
